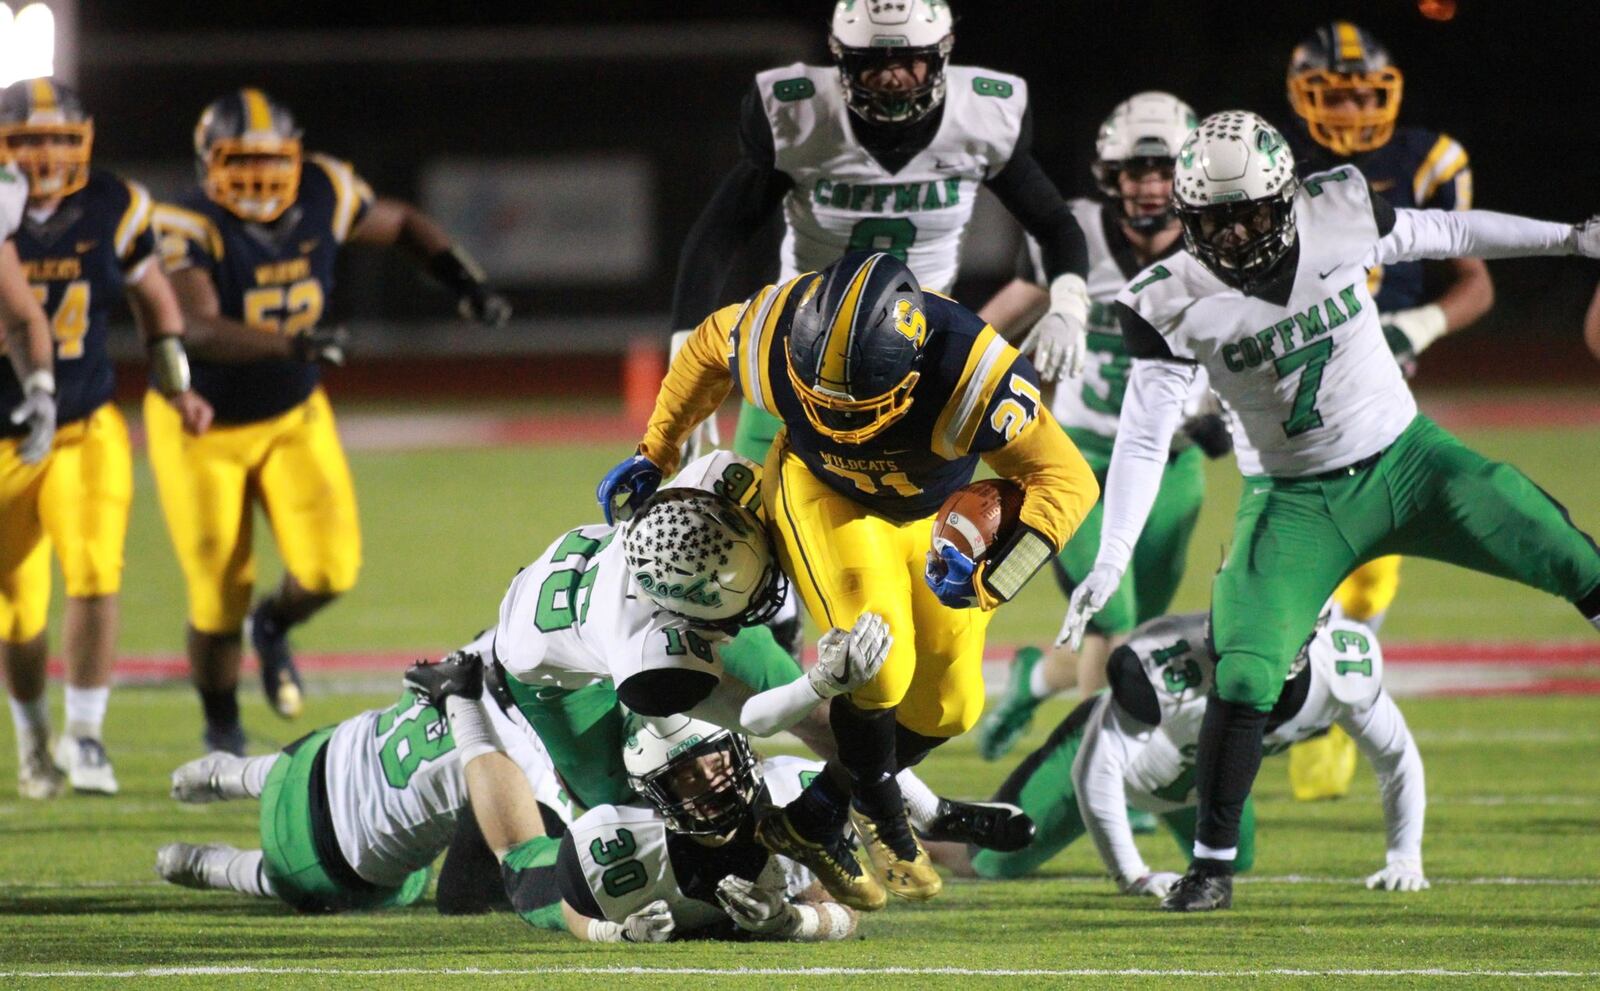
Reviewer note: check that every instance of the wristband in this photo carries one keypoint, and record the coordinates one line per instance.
(1015, 562)
(40, 380)
(169, 365)
(1070, 295)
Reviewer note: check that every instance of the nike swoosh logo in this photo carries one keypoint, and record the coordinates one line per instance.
(1324, 275)
(945, 166)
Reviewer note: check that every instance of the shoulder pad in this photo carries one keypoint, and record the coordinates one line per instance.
(1347, 656)
(787, 777)
(1442, 160)
(351, 194)
(991, 83)
(792, 83)
(724, 473)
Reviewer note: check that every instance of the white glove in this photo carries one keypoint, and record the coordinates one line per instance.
(651, 924)
(38, 411)
(1422, 325)
(848, 659)
(1155, 884)
(1088, 598)
(1058, 342)
(707, 437)
(1399, 875)
(756, 909)
(1586, 238)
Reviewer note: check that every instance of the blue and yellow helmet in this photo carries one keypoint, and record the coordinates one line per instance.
(1344, 87)
(44, 129)
(855, 344)
(247, 154)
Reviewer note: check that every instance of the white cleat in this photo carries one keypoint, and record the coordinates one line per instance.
(185, 863)
(37, 776)
(86, 765)
(196, 781)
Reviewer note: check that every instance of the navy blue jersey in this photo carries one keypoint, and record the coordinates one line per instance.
(275, 277)
(1416, 168)
(76, 260)
(974, 395)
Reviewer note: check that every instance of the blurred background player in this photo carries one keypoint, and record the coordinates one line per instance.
(251, 254)
(1132, 225)
(1134, 747)
(884, 151)
(85, 240)
(1347, 93)
(30, 430)
(888, 396)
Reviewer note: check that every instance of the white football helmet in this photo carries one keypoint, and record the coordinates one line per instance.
(1147, 127)
(704, 557)
(663, 757)
(868, 33)
(1234, 189)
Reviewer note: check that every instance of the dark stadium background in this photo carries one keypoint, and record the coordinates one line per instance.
(395, 87)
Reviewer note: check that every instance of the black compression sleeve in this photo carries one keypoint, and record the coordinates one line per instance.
(748, 195)
(1382, 213)
(666, 691)
(1033, 199)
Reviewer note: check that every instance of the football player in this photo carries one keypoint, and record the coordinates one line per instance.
(683, 862)
(353, 815)
(84, 241)
(251, 254)
(1134, 746)
(885, 150)
(1346, 91)
(888, 396)
(1270, 297)
(1131, 225)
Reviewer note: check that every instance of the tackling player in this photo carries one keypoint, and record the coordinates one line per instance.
(84, 241)
(888, 396)
(1270, 297)
(1130, 226)
(884, 151)
(1346, 91)
(352, 815)
(251, 254)
(1134, 747)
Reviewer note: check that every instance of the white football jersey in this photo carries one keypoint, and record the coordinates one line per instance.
(844, 200)
(627, 855)
(1308, 386)
(13, 199)
(396, 786)
(1094, 402)
(1346, 673)
(576, 617)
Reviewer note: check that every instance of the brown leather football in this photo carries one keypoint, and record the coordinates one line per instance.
(978, 516)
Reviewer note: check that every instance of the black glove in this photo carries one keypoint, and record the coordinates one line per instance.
(485, 306)
(456, 270)
(324, 344)
(1209, 431)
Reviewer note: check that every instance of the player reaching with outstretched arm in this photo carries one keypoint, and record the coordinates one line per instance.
(86, 239)
(888, 396)
(251, 254)
(1270, 297)
(885, 150)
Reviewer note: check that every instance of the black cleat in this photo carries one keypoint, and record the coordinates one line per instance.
(279, 679)
(991, 825)
(228, 739)
(1200, 891)
(460, 673)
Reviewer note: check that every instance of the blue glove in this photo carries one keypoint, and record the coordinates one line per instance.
(626, 487)
(949, 574)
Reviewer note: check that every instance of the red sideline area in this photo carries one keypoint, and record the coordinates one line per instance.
(1434, 668)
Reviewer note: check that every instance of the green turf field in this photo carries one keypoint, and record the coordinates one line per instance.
(1512, 843)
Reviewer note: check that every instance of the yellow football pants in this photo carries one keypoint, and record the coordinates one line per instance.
(846, 560)
(76, 500)
(1324, 767)
(294, 464)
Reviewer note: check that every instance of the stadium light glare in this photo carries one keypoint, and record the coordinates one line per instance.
(27, 43)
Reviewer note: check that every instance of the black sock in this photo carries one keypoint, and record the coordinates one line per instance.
(1225, 767)
(866, 739)
(910, 747)
(221, 708)
(824, 806)
(1589, 605)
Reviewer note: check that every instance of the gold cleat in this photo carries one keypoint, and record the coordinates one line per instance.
(913, 879)
(834, 864)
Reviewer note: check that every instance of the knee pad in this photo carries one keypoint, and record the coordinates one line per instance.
(1247, 680)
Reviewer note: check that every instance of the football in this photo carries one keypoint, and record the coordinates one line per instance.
(978, 516)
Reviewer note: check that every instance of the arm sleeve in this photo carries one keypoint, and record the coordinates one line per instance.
(1419, 234)
(697, 382)
(732, 706)
(1380, 731)
(1097, 775)
(742, 203)
(1039, 207)
(1151, 412)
